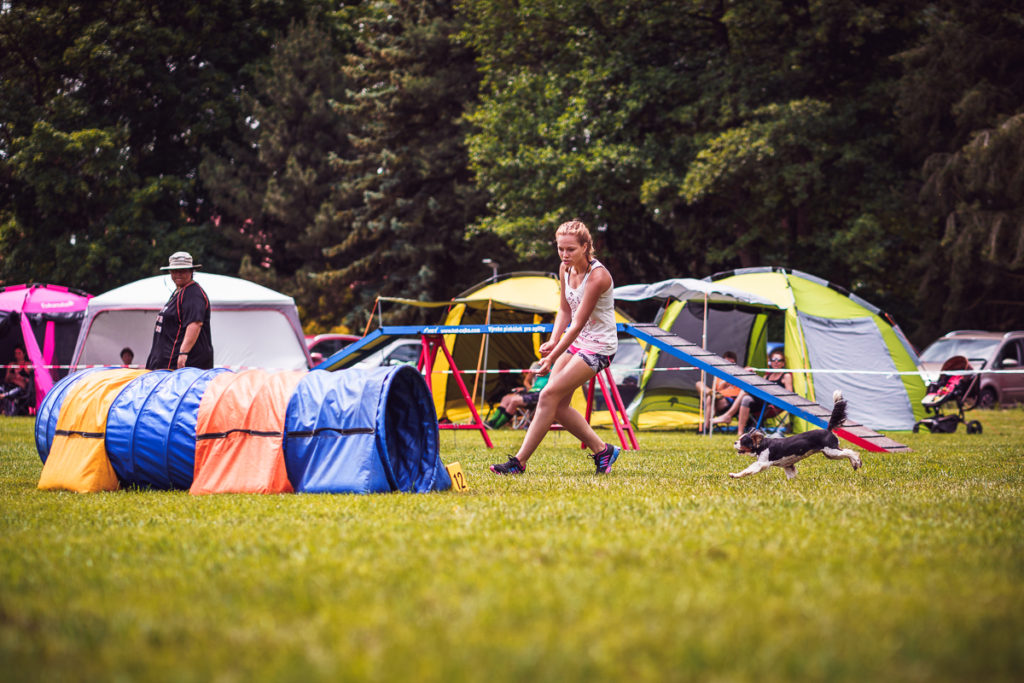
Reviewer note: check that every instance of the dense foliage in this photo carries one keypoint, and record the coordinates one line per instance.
(341, 151)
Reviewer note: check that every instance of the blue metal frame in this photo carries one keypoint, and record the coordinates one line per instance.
(372, 340)
(722, 374)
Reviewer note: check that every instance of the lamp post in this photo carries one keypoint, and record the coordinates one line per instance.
(494, 268)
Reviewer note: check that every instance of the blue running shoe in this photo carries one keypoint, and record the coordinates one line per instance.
(605, 458)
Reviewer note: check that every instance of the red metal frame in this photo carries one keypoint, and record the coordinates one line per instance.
(428, 353)
(616, 408)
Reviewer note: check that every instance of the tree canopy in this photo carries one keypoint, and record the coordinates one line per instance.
(342, 150)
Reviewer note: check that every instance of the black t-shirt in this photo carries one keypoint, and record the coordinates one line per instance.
(186, 305)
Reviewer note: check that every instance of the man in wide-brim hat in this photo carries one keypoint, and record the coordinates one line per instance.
(182, 334)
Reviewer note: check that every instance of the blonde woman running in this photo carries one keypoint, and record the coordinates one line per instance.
(583, 343)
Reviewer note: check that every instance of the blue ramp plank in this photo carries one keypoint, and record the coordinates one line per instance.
(758, 386)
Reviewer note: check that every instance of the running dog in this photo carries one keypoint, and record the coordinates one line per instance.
(787, 452)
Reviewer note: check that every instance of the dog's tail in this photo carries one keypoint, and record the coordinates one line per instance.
(838, 410)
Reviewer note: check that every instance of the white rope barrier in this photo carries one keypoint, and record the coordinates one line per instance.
(509, 371)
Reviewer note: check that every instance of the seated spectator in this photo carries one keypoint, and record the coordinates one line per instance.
(17, 383)
(722, 394)
(127, 356)
(746, 404)
(524, 397)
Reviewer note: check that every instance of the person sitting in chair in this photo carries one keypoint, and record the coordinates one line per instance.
(746, 404)
(722, 394)
(524, 397)
(17, 381)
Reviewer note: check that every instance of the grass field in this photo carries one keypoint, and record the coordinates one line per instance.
(911, 569)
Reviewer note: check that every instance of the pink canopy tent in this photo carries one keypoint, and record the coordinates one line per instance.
(44, 319)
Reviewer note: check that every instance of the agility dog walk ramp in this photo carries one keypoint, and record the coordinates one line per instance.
(759, 387)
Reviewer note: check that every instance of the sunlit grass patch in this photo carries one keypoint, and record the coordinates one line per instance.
(908, 569)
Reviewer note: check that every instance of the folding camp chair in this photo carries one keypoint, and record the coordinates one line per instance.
(772, 420)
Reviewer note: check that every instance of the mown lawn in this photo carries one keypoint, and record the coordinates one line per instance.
(911, 569)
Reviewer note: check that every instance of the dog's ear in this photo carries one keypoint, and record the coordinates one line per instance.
(756, 437)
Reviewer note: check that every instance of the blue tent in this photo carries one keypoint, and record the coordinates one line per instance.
(49, 411)
(363, 431)
(151, 427)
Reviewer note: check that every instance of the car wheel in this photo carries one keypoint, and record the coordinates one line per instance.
(987, 398)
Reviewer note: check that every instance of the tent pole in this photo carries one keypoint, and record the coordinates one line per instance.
(481, 358)
(703, 376)
(369, 320)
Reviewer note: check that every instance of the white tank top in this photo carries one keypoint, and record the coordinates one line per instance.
(599, 334)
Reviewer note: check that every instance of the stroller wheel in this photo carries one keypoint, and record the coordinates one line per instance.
(917, 427)
(974, 427)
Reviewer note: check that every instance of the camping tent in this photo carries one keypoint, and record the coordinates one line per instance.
(826, 330)
(44, 319)
(516, 298)
(252, 326)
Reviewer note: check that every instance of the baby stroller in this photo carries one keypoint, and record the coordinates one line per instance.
(949, 389)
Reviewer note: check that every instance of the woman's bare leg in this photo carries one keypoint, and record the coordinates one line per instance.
(744, 415)
(578, 426)
(726, 417)
(567, 375)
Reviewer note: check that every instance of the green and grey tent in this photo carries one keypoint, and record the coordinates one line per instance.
(833, 339)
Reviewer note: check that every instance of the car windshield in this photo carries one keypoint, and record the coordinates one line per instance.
(406, 354)
(943, 349)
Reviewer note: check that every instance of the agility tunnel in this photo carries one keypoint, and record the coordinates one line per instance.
(151, 428)
(363, 431)
(77, 459)
(239, 433)
(216, 431)
(49, 411)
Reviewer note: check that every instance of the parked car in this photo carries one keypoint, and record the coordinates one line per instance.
(398, 352)
(984, 351)
(323, 346)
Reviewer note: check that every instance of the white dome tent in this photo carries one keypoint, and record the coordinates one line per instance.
(253, 326)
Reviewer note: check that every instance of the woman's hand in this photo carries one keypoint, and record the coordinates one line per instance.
(546, 348)
(543, 366)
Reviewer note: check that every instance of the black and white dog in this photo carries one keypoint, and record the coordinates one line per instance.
(787, 452)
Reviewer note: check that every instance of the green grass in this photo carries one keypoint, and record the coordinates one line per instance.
(911, 569)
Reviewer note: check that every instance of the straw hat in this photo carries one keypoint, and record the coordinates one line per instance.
(180, 260)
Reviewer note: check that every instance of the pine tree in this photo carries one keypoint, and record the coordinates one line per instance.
(274, 193)
(407, 195)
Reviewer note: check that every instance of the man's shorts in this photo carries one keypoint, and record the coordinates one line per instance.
(596, 361)
(530, 398)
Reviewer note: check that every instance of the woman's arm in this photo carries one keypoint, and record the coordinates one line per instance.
(599, 281)
(561, 317)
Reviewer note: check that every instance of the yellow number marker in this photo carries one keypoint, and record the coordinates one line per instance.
(458, 479)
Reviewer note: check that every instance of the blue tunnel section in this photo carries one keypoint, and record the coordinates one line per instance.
(151, 428)
(349, 431)
(363, 431)
(49, 411)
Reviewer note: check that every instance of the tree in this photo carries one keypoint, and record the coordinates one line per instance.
(406, 195)
(273, 192)
(105, 108)
(702, 135)
(961, 116)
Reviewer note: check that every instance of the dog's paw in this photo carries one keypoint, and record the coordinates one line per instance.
(856, 463)
(735, 475)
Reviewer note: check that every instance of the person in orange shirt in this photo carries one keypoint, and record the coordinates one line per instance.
(722, 394)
